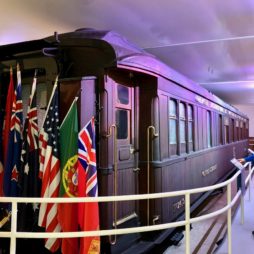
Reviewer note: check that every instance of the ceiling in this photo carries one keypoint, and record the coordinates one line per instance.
(209, 41)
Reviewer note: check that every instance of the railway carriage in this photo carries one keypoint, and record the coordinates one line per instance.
(157, 131)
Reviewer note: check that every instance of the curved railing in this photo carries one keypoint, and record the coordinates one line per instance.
(13, 234)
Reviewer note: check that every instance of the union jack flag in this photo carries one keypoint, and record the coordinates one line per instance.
(50, 168)
(88, 186)
(12, 166)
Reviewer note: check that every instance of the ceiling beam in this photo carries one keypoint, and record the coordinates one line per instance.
(203, 41)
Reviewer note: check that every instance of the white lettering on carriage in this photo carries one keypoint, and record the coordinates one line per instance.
(209, 170)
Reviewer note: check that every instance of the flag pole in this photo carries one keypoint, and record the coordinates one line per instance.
(51, 97)
(75, 100)
(18, 74)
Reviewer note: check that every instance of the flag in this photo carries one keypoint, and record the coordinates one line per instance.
(7, 118)
(88, 187)
(29, 183)
(1, 151)
(6, 127)
(67, 213)
(12, 164)
(1, 154)
(50, 166)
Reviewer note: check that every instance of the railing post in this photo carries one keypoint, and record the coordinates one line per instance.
(13, 227)
(250, 178)
(229, 219)
(242, 208)
(187, 221)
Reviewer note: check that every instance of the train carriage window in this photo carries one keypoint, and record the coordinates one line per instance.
(220, 130)
(123, 113)
(232, 130)
(209, 127)
(190, 127)
(226, 130)
(241, 130)
(244, 130)
(237, 130)
(182, 115)
(247, 130)
(122, 123)
(123, 94)
(172, 122)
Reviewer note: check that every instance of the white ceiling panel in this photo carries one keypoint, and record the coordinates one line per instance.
(209, 41)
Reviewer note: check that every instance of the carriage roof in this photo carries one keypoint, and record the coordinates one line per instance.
(118, 51)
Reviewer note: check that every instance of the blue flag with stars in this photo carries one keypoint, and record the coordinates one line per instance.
(29, 182)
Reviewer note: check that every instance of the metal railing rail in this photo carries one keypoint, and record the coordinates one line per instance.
(13, 234)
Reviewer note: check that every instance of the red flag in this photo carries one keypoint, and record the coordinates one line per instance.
(88, 187)
(51, 171)
(7, 125)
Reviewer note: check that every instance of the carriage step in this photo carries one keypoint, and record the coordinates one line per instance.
(176, 238)
(126, 241)
(140, 247)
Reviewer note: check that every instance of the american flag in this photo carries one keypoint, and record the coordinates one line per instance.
(88, 186)
(50, 168)
(12, 166)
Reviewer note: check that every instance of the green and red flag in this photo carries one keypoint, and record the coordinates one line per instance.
(68, 212)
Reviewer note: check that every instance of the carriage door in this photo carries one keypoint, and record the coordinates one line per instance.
(125, 175)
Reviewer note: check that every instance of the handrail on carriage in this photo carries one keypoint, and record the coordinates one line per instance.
(13, 234)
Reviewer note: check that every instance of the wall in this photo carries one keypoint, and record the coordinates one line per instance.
(249, 111)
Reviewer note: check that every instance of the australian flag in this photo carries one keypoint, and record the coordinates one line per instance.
(29, 183)
(12, 166)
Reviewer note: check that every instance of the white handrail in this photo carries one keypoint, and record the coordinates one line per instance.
(13, 234)
(119, 198)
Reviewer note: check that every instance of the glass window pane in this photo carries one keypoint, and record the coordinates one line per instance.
(209, 129)
(182, 131)
(122, 124)
(190, 132)
(172, 131)
(172, 108)
(123, 94)
(190, 112)
(182, 110)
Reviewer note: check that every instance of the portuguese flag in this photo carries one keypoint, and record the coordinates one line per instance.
(67, 212)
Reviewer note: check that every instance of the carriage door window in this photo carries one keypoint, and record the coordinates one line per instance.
(123, 112)
(226, 130)
(173, 126)
(209, 125)
(190, 127)
(182, 115)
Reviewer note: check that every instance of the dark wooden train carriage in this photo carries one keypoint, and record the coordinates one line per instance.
(156, 130)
